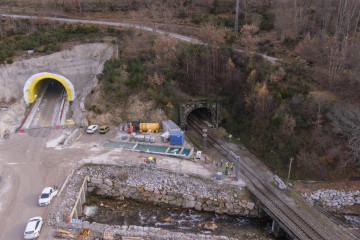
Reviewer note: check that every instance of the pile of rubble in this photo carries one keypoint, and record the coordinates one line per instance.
(333, 198)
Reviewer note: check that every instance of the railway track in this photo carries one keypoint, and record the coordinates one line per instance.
(302, 225)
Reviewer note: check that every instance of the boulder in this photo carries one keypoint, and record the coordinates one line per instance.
(250, 205)
(108, 182)
(189, 204)
(104, 186)
(96, 180)
(198, 206)
(210, 225)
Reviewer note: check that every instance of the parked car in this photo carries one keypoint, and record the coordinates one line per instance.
(92, 128)
(47, 194)
(33, 228)
(104, 129)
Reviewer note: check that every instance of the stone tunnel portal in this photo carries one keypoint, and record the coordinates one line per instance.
(208, 112)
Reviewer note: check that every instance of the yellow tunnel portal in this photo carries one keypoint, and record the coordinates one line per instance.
(34, 84)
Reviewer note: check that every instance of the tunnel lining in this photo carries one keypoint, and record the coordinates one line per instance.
(33, 85)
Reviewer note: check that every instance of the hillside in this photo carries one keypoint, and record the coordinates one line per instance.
(305, 106)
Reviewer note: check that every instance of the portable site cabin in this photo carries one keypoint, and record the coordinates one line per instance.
(177, 138)
(170, 126)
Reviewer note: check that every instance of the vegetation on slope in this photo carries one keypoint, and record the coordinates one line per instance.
(306, 106)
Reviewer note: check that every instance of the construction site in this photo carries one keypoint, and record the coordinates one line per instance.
(131, 170)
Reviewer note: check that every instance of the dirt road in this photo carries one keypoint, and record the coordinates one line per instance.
(129, 25)
(27, 165)
(29, 168)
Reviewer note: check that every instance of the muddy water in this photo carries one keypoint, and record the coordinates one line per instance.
(132, 212)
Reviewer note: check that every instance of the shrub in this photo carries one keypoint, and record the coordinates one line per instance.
(268, 18)
(110, 30)
(2, 58)
(214, 7)
(120, 94)
(100, 76)
(9, 61)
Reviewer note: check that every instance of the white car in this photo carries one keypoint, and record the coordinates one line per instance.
(92, 128)
(46, 195)
(33, 228)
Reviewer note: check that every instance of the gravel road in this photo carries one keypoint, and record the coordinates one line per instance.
(128, 25)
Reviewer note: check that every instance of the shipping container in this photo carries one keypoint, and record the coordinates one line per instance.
(154, 127)
(177, 138)
(170, 126)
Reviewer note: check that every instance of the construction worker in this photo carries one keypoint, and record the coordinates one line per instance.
(221, 163)
(231, 167)
(226, 165)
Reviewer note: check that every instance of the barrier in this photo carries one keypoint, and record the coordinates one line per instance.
(21, 130)
(57, 127)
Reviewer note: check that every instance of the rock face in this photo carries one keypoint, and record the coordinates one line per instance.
(80, 65)
(334, 198)
(165, 187)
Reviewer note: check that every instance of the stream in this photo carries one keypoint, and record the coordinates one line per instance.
(133, 212)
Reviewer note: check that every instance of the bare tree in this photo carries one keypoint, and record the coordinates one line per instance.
(348, 18)
(283, 18)
(336, 60)
(345, 119)
(249, 37)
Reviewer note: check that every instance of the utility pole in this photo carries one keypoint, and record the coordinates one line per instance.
(291, 160)
(237, 17)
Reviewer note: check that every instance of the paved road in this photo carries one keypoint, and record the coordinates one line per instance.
(49, 107)
(129, 25)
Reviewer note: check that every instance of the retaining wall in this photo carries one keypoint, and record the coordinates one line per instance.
(175, 189)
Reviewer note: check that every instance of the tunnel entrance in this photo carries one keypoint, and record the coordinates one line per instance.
(35, 83)
(52, 94)
(205, 109)
(50, 106)
(201, 114)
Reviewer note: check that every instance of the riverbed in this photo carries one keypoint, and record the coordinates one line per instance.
(132, 212)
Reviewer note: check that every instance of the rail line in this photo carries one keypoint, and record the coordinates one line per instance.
(300, 226)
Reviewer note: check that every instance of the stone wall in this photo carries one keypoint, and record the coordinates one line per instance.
(175, 189)
(334, 198)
